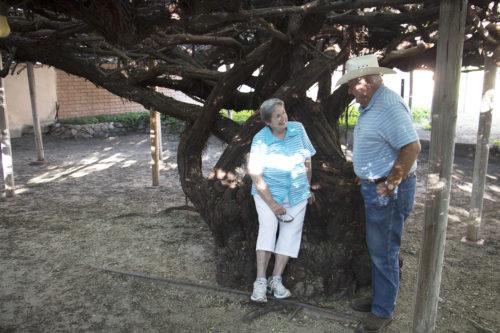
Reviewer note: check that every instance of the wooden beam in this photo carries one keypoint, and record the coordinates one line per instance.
(444, 115)
(34, 113)
(482, 148)
(154, 120)
(5, 146)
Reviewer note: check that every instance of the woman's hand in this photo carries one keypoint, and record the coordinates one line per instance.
(311, 199)
(277, 209)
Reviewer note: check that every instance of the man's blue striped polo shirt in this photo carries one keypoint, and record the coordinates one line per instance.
(281, 162)
(383, 128)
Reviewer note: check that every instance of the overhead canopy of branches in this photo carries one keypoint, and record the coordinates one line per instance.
(131, 47)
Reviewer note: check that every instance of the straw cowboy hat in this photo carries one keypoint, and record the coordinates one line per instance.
(361, 66)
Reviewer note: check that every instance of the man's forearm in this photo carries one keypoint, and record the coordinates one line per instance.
(407, 156)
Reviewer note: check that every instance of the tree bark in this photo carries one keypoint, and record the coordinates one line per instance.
(333, 254)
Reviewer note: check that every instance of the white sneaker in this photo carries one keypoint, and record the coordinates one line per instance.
(259, 291)
(276, 287)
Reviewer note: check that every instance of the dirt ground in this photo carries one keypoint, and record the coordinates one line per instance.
(92, 206)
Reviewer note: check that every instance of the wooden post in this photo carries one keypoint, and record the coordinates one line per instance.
(482, 148)
(34, 112)
(346, 112)
(154, 119)
(410, 93)
(444, 115)
(5, 146)
(159, 139)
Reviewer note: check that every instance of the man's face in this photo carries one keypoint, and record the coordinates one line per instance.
(362, 88)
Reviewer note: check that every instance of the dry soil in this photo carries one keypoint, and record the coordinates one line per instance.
(92, 206)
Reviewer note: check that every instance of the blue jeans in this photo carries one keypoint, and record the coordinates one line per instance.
(385, 216)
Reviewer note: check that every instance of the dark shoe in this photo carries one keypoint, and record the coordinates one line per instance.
(362, 304)
(372, 324)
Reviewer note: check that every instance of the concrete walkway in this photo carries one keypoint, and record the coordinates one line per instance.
(467, 124)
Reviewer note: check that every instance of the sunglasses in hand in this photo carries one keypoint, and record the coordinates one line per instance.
(285, 218)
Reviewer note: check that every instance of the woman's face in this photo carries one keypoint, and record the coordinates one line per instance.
(279, 119)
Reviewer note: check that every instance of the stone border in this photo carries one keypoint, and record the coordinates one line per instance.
(107, 129)
(99, 130)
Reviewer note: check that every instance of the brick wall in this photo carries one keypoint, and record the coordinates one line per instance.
(80, 98)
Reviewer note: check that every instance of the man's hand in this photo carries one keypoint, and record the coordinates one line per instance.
(383, 190)
(357, 181)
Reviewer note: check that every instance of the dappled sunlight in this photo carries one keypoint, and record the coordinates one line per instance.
(454, 218)
(467, 187)
(229, 179)
(494, 188)
(141, 142)
(457, 214)
(53, 175)
(486, 196)
(84, 167)
(90, 160)
(21, 190)
(169, 166)
(493, 196)
(128, 163)
(492, 193)
(491, 177)
(99, 165)
(219, 173)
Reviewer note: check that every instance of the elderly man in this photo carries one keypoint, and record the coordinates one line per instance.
(385, 151)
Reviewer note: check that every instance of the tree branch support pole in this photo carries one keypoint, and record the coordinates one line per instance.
(34, 112)
(5, 146)
(154, 134)
(482, 149)
(444, 116)
(159, 139)
(410, 94)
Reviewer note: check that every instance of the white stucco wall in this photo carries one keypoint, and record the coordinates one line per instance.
(18, 100)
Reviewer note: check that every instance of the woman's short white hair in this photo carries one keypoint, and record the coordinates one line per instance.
(267, 108)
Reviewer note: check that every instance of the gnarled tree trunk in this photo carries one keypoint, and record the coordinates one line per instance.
(333, 255)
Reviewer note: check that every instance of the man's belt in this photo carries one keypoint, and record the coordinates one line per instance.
(383, 179)
(375, 181)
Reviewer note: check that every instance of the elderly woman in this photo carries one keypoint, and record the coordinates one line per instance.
(280, 167)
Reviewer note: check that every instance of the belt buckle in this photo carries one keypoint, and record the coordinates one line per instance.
(374, 181)
(411, 174)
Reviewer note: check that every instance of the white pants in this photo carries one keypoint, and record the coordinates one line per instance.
(290, 234)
